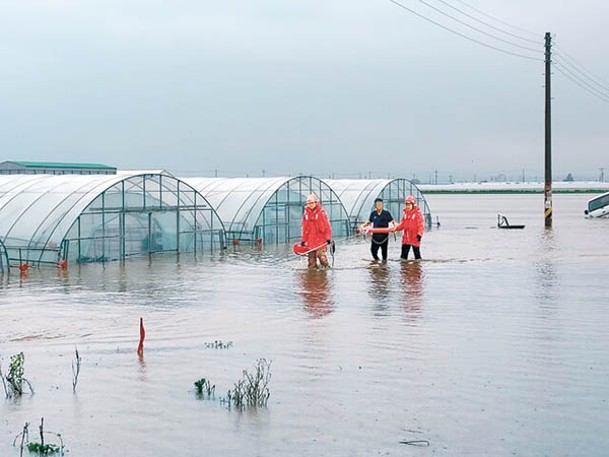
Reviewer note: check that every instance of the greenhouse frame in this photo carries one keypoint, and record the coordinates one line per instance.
(4, 264)
(358, 196)
(269, 210)
(98, 218)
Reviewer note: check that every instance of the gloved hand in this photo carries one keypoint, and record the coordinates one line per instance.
(418, 237)
(328, 241)
(303, 243)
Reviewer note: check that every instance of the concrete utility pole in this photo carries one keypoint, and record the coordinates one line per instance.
(547, 214)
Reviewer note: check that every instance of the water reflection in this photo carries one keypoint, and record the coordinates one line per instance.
(315, 290)
(412, 287)
(141, 371)
(379, 289)
(547, 276)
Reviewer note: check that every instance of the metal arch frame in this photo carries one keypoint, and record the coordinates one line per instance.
(207, 206)
(361, 200)
(260, 190)
(265, 191)
(5, 260)
(29, 183)
(248, 212)
(311, 179)
(99, 190)
(58, 205)
(381, 187)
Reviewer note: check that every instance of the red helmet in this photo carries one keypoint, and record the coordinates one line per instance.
(410, 199)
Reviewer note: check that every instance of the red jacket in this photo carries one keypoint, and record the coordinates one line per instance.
(316, 228)
(413, 224)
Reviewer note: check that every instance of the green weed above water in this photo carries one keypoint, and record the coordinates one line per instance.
(13, 382)
(204, 387)
(40, 448)
(218, 344)
(75, 369)
(252, 390)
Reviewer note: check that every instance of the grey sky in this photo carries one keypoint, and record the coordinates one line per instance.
(333, 86)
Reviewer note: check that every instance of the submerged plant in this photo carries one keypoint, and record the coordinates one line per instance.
(14, 380)
(75, 369)
(218, 344)
(204, 387)
(252, 390)
(40, 448)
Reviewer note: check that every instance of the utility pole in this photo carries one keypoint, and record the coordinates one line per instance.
(548, 140)
(435, 177)
(601, 178)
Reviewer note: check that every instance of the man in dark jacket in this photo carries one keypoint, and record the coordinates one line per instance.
(379, 218)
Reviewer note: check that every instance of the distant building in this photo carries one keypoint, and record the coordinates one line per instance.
(10, 167)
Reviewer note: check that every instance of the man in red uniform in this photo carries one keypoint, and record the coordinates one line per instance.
(413, 226)
(316, 231)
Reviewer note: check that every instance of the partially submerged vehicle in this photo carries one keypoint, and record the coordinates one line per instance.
(598, 206)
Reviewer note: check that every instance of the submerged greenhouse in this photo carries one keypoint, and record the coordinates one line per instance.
(92, 218)
(4, 265)
(358, 196)
(269, 210)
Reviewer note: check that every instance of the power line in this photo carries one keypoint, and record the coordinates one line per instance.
(567, 55)
(527, 48)
(498, 29)
(591, 80)
(578, 81)
(578, 67)
(603, 92)
(497, 20)
(395, 2)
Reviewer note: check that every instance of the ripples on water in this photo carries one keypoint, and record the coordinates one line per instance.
(496, 344)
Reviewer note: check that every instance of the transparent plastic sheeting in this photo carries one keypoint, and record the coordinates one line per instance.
(85, 218)
(269, 210)
(4, 265)
(358, 195)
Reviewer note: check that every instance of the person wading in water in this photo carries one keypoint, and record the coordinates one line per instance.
(379, 218)
(316, 232)
(413, 226)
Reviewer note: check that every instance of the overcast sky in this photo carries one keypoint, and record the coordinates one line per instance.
(298, 86)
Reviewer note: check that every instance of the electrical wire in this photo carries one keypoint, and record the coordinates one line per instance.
(498, 29)
(497, 20)
(602, 91)
(527, 48)
(578, 67)
(462, 35)
(580, 82)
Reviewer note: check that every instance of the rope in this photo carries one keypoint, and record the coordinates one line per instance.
(381, 242)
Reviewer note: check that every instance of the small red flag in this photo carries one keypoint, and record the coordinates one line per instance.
(140, 347)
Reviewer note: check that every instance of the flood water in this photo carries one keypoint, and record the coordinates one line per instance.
(496, 344)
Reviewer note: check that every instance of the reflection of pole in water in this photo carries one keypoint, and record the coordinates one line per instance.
(412, 285)
(315, 290)
(547, 275)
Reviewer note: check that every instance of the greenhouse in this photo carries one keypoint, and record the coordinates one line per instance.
(93, 218)
(4, 265)
(358, 196)
(269, 210)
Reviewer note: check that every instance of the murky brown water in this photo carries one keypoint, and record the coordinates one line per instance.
(496, 344)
